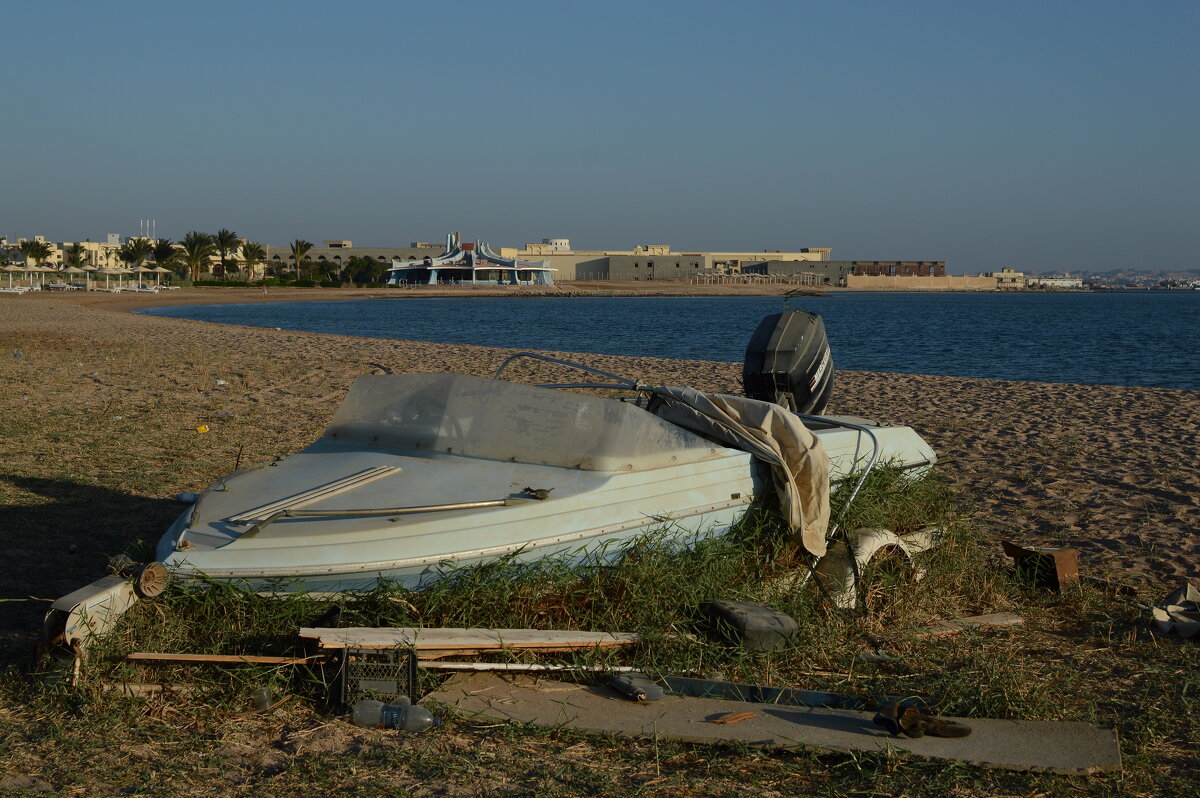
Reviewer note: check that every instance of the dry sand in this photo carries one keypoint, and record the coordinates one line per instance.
(101, 409)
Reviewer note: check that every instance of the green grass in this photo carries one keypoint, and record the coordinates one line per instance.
(1081, 655)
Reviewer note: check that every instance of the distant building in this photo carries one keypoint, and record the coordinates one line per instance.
(339, 252)
(468, 262)
(1054, 282)
(651, 261)
(1007, 278)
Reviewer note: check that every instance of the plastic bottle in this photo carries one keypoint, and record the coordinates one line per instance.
(400, 715)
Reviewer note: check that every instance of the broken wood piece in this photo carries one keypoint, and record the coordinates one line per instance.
(142, 690)
(434, 642)
(520, 667)
(730, 718)
(248, 659)
(973, 622)
(1051, 569)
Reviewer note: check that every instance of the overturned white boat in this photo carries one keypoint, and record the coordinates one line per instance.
(419, 474)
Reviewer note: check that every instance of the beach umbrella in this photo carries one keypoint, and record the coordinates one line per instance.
(159, 271)
(32, 270)
(74, 270)
(108, 273)
(11, 270)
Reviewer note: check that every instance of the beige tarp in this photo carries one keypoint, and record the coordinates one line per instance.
(774, 435)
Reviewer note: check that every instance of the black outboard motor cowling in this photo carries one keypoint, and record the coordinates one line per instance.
(788, 362)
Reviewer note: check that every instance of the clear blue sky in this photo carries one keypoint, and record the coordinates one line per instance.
(1044, 135)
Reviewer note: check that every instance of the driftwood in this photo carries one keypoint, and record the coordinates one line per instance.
(974, 622)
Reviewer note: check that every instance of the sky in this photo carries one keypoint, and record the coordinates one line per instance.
(1040, 135)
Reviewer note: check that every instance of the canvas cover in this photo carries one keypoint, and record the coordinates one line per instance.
(799, 465)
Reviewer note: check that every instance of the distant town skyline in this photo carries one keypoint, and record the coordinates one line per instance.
(1054, 136)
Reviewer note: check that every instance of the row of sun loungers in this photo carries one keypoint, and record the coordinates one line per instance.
(114, 289)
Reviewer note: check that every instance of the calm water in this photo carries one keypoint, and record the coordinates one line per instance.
(1114, 338)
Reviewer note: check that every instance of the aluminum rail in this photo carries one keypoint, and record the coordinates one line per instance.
(622, 384)
(410, 510)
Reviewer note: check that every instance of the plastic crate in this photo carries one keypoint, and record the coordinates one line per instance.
(382, 674)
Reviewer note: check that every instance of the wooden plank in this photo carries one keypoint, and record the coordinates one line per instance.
(1056, 746)
(448, 639)
(154, 656)
(522, 667)
(973, 622)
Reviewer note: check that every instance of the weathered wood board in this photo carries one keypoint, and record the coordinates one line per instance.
(434, 642)
(973, 622)
(1073, 748)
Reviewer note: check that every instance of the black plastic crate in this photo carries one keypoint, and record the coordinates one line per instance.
(382, 674)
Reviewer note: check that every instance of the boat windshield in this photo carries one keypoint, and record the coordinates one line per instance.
(496, 420)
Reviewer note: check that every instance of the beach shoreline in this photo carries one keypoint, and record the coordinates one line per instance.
(102, 408)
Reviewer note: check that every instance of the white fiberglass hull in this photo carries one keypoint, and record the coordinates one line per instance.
(548, 474)
(587, 515)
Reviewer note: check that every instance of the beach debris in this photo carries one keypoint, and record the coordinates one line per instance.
(76, 619)
(637, 685)
(222, 382)
(1057, 746)
(401, 716)
(17, 353)
(223, 659)
(541, 494)
(437, 642)
(520, 667)
(899, 718)
(754, 627)
(1179, 612)
(730, 718)
(202, 428)
(146, 690)
(956, 625)
(841, 567)
(1047, 568)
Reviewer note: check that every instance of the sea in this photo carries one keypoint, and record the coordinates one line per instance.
(1141, 338)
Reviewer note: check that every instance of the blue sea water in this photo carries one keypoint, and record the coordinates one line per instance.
(1146, 338)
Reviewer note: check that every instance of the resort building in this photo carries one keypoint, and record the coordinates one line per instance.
(339, 252)
(468, 262)
(651, 261)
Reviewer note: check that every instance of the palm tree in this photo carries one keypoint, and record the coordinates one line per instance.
(300, 248)
(75, 256)
(225, 241)
(252, 253)
(137, 250)
(38, 250)
(164, 251)
(198, 248)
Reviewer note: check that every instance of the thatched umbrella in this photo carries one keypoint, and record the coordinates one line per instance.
(142, 270)
(74, 270)
(107, 272)
(38, 270)
(159, 271)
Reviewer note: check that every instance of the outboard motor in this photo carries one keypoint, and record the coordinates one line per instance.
(788, 362)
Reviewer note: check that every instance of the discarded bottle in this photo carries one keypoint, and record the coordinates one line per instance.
(401, 715)
(263, 698)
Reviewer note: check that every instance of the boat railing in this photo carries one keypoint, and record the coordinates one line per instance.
(622, 384)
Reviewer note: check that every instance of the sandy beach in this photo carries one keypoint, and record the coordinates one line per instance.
(101, 410)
